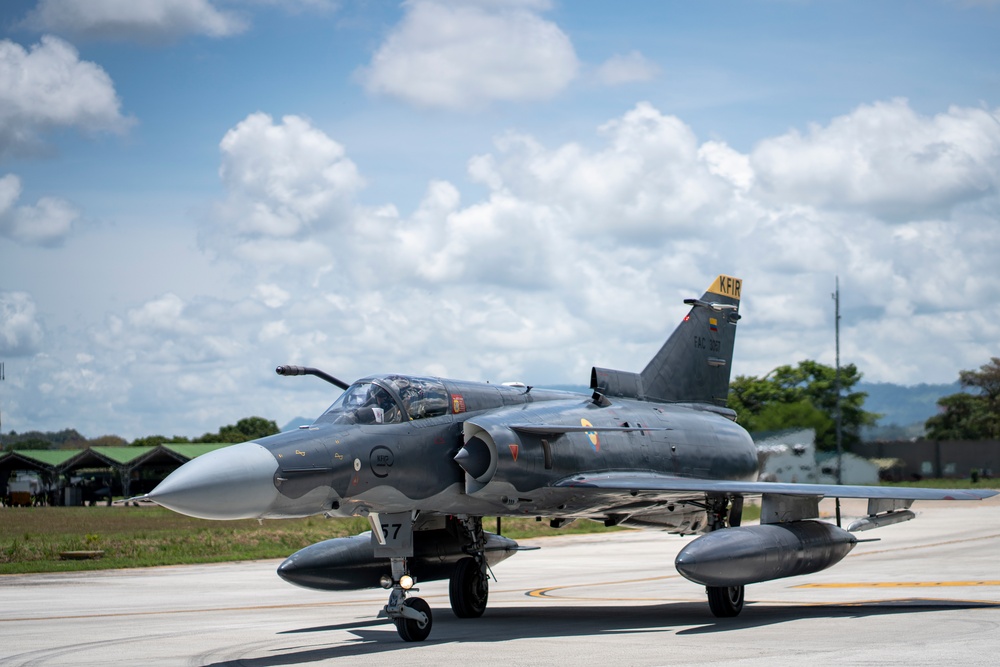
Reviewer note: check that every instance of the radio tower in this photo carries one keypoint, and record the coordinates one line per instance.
(836, 383)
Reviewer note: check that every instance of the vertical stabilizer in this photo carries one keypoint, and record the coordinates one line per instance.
(695, 362)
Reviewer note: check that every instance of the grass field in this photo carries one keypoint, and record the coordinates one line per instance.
(31, 539)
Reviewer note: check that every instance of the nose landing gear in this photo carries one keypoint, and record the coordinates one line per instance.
(393, 538)
(412, 616)
(469, 586)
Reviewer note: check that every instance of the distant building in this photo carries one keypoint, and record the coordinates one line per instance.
(790, 456)
(787, 456)
(952, 459)
(79, 476)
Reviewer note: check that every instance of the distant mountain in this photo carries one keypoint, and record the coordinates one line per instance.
(902, 405)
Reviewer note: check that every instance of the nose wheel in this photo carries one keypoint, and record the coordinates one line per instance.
(415, 620)
(411, 616)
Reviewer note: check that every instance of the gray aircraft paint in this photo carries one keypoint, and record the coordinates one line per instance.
(417, 455)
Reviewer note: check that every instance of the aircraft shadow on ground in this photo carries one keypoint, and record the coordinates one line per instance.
(537, 622)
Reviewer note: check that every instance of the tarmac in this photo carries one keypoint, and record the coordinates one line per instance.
(927, 593)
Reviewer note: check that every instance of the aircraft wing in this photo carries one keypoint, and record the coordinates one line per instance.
(628, 481)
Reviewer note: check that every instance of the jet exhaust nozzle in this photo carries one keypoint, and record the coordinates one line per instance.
(751, 554)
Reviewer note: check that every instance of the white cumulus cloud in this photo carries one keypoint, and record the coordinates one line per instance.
(47, 87)
(48, 222)
(886, 158)
(284, 178)
(601, 238)
(650, 178)
(148, 20)
(579, 253)
(626, 68)
(20, 332)
(164, 313)
(463, 56)
(272, 295)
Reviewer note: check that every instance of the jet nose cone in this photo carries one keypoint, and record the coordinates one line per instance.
(235, 482)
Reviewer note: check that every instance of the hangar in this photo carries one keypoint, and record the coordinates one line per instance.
(79, 476)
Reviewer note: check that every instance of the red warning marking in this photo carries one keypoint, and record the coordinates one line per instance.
(513, 451)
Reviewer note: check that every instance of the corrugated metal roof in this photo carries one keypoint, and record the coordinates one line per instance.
(121, 455)
(104, 456)
(47, 457)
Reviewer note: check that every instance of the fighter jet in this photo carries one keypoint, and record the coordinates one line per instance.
(424, 459)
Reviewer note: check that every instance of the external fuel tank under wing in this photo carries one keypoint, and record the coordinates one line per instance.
(425, 459)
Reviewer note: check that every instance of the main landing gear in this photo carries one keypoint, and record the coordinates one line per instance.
(725, 601)
(469, 588)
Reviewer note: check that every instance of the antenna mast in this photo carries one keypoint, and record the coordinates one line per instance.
(836, 383)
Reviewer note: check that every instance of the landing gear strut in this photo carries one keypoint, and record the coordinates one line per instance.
(469, 589)
(392, 538)
(725, 601)
(412, 616)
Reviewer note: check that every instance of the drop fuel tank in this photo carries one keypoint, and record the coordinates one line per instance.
(750, 554)
(349, 563)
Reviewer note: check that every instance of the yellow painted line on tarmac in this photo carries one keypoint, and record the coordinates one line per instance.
(900, 584)
(938, 603)
(545, 592)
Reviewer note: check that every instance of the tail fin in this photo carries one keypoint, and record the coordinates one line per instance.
(695, 362)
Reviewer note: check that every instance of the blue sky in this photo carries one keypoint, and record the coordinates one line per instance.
(194, 191)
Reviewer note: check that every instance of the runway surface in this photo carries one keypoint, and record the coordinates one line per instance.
(927, 593)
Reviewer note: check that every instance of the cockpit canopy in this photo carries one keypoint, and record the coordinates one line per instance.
(389, 399)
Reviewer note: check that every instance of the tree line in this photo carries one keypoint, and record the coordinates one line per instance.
(249, 428)
(800, 396)
(805, 396)
(970, 416)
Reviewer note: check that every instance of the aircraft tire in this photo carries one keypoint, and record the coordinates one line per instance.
(410, 630)
(725, 601)
(468, 590)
